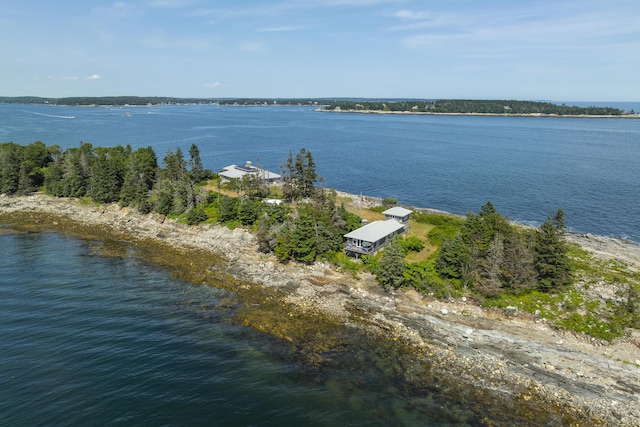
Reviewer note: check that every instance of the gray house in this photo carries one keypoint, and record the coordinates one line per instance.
(372, 237)
(238, 172)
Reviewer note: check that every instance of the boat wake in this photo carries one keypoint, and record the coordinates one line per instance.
(53, 115)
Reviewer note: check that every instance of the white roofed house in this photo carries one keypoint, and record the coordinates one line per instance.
(238, 172)
(370, 238)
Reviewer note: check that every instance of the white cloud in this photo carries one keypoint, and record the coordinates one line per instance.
(410, 14)
(92, 77)
(212, 85)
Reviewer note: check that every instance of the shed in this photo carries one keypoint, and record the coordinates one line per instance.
(398, 213)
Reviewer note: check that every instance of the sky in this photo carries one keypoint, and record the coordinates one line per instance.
(586, 50)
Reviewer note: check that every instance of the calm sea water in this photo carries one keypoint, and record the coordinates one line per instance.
(88, 340)
(528, 167)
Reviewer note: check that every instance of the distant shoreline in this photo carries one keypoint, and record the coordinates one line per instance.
(532, 115)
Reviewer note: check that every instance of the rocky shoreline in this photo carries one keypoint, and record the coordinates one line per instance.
(579, 381)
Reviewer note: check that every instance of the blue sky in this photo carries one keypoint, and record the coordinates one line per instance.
(585, 50)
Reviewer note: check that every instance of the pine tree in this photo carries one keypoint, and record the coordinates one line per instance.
(195, 162)
(558, 222)
(304, 237)
(107, 174)
(390, 274)
(299, 176)
(551, 260)
(518, 271)
(10, 154)
(490, 283)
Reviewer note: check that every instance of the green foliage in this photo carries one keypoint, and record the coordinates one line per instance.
(390, 274)
(423, 277)
(446, 226)
(197, 172)
(141, 170)
(550, 258)
(196, 216)
(490, 256)
(227, 209)
(299, 176)
(411, 244)
(248, 211)
(303, 240)
(591, 325)
(388, 202)
(29, 162)
(107, 174)
(343, 262)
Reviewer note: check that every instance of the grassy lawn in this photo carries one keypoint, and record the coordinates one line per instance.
(421, 231)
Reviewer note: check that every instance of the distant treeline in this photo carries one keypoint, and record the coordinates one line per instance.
(446, 106)
(466, 106)
(153, 100)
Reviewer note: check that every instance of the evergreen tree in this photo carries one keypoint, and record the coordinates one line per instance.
(195, 162)
(303, 242)
(140, 175)
(107, 174)
(551, 260)
(490, 283)
(454, 254)
(33, 160)
(10, 155)
(178, 179)
(558, 222)
(518, 271)
(227, 209)
(248, 211)
(390, 274)
(76, 164)
(299, 176)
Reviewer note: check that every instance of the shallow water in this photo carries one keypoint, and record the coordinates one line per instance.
(92, 340)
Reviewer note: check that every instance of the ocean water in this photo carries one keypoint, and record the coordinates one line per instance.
(527, 167)
(89, 340)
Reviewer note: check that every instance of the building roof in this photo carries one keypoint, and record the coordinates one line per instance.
(375, 231)
(397, 211)
(235, 171)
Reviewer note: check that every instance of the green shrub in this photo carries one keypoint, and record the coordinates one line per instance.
(389, 201)
(411, 243)
(196, 216)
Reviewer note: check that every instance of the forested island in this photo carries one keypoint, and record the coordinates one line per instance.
(472, 106)
(483, 255)
(437, 106)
